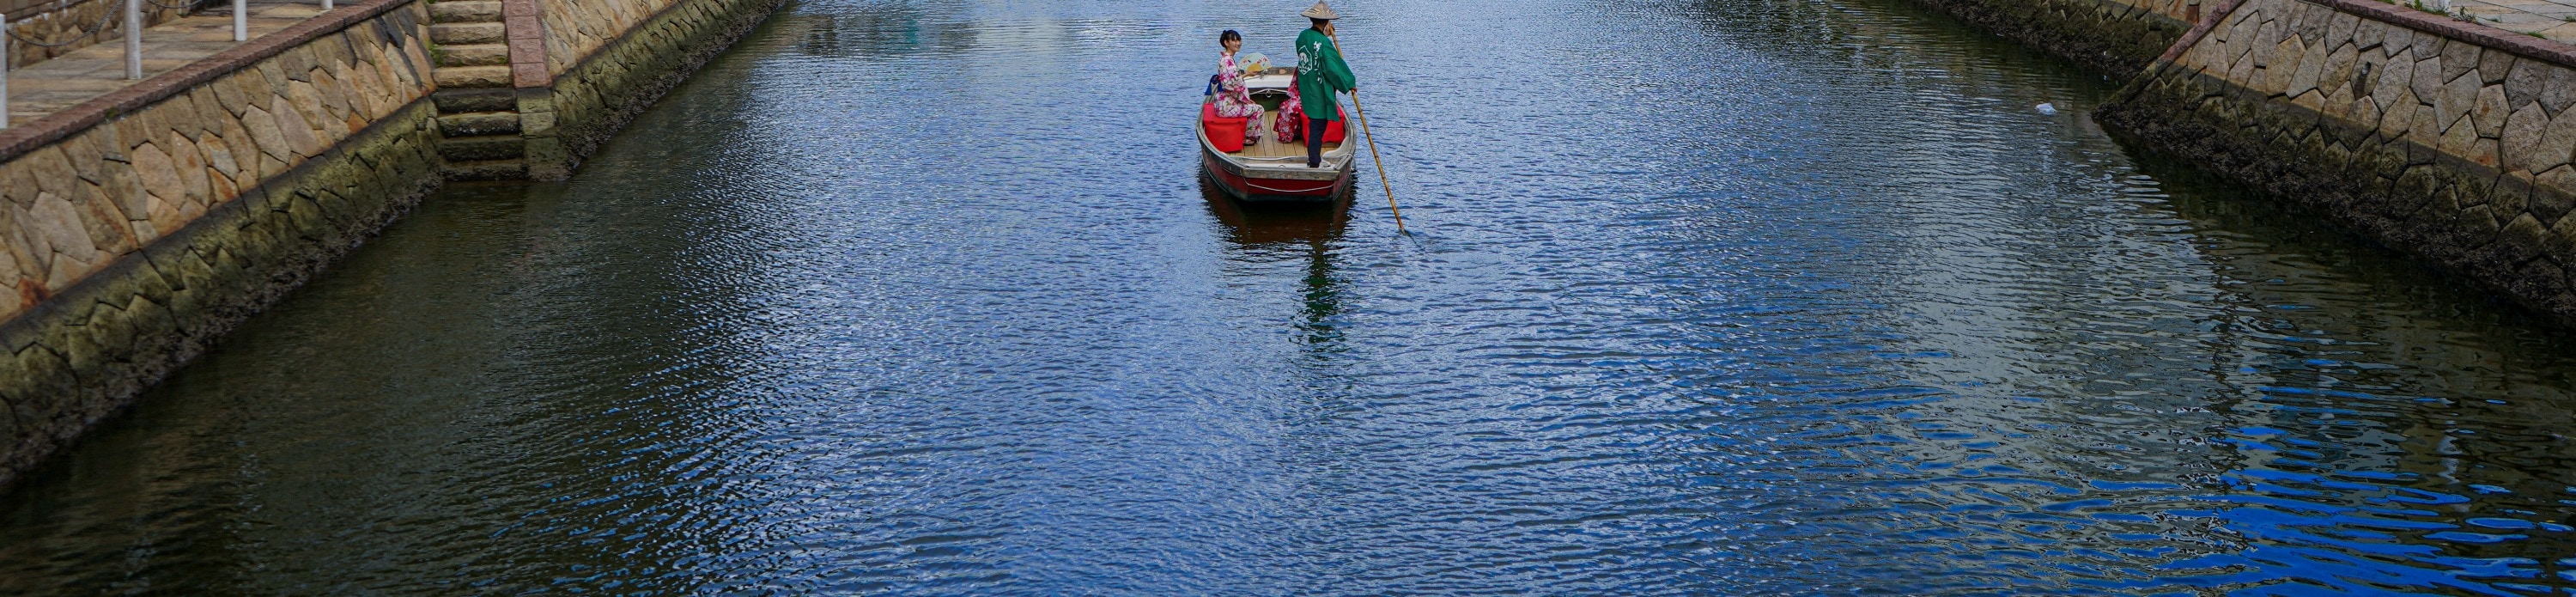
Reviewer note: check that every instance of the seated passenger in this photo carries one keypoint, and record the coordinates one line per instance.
(1291, 127)
(1232, 100)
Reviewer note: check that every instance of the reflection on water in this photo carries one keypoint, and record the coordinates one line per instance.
(1769, 297)
(1278, 231)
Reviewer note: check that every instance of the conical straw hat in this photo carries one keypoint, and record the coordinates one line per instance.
(1320, 11)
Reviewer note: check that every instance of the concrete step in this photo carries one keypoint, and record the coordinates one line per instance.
(465, 12)
(511, 169)
(479, 123)
(463, 101)
(471, 77)
(474, 55)
(468, 33)
(476, 149)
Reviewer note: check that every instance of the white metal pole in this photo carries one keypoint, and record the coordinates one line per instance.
(134, 39)
(4, 71)
(241, 20)
(326, 4)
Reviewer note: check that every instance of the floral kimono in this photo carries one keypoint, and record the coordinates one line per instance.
(1292, 119)
(1233, 101)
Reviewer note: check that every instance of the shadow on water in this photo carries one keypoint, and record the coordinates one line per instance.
(1263, 231)
(489, 392)
(1254, 225)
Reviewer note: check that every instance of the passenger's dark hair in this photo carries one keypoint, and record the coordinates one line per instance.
(1227, 36)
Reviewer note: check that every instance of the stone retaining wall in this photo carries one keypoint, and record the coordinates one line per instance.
(2446, 139)
(592, 98)
(140, 226)
(2118, 37)
(575, 30)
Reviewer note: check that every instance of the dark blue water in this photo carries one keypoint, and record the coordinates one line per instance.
(1747, 298)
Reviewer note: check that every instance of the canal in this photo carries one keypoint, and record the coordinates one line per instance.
(1753, 298)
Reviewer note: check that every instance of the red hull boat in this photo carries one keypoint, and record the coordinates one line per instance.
(1270, 170)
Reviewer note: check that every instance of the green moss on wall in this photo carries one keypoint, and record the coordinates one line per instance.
(87, 351)
(2117, 39)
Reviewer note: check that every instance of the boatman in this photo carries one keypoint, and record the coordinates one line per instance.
(1320, 73)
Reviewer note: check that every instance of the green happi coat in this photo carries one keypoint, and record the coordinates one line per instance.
(1320, 73)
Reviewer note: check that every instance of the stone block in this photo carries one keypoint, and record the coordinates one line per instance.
(2488, 111)
(2524, 83)
(2523, 238)
(159, 175)
(2509, 195)
(108, 226)
(529, 74)
(266, 135)
(54, 232)
(272, 79)
(189, 159)
(2562, 178)
(333, 96)
(89, 153)
(2426, 46)
(2304, 77)
(2523, 133)
(2494, 66)
(534, 100)
(129, 129)
(2427, 128)
(2551, 197)
(2311, 100)
(295, 65)
(2362, 114)
(2341, 77)
(210, 113)
(2399, 44)
(306, 102)
(237, 145)
(51, 170)
(537, 124)
(2370, 36)
(228, 94)
(2458, 58)
(2558, 89)
(2267, 42)
(295, 130)
(2560, 246)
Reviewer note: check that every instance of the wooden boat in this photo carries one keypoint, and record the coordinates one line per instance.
(1274, 169)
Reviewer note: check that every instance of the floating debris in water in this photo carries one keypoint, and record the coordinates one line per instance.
(2048, 109)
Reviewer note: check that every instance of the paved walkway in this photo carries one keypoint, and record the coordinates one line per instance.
(2548, 18)
(46, 87)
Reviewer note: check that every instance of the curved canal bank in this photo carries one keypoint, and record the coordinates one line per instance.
(1769, 298)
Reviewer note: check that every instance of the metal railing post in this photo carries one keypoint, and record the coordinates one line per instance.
(326, 4)
(241, 20)
(4, 71)
(134, 39)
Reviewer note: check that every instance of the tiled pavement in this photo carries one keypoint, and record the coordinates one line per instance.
(2553, 19)
(45, 87)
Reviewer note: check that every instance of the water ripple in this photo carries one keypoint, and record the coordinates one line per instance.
(1772, 297)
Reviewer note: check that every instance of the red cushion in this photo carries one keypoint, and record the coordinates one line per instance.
(1226, 133)
(1333, 129)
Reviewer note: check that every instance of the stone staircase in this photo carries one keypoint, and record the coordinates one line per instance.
(478, 112)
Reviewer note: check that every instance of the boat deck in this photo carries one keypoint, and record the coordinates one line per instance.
(1270, 145)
